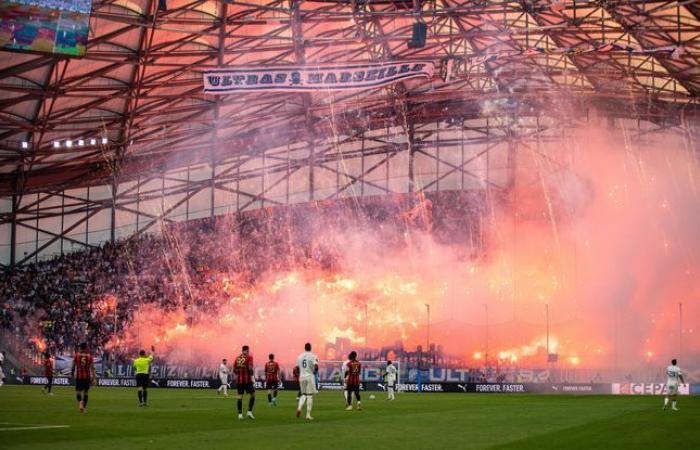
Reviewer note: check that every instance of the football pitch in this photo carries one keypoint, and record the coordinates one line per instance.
(195, 419)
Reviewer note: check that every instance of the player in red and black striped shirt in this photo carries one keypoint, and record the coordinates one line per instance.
(352, 380)
(84, 372)
(243, 368)
(272, 380)
(48, 373)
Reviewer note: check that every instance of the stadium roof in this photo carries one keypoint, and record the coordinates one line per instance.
(140, 84)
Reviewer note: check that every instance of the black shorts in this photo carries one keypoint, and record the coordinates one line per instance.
(248, 388)
(271, 385)
(82, 384)
(142, 380)
(353, 388)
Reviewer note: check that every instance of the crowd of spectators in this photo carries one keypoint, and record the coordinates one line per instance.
(89, 295)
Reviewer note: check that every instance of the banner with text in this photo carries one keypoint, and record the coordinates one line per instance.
(313, 78)
(646, 389)
(479, 388)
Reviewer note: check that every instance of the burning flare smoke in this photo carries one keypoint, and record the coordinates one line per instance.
(605, 235)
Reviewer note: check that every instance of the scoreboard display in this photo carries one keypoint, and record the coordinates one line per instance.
(46, 26)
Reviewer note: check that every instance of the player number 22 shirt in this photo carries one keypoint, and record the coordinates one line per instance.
(244, 369)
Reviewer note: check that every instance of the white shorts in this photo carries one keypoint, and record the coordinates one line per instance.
(307, 385)
(390, 381)
(672, 389)
(224, 379)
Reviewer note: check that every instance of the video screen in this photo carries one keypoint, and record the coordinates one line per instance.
(49, 26)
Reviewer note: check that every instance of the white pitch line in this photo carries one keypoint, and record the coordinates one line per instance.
(29, 426)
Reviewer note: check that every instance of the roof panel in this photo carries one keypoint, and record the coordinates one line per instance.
(141, 78)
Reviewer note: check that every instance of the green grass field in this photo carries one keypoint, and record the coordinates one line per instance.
(201, 420)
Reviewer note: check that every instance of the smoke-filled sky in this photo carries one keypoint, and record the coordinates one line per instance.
(601, 227)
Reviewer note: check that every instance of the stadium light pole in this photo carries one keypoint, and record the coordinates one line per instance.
(486, 352)
(680, 331)
(427, 308)
(366, 335)
(546, 312)
(116, 305)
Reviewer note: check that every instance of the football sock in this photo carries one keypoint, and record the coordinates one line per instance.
(145, 396)
(274, 394)
(673, 405)
(78, 397)
(140, 396)
(309, 404)
(239, 403)
(302, 399)
(269, 398)
(85, 399)
(251, 402)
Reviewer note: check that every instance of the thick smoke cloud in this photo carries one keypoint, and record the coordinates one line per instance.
(600, 228)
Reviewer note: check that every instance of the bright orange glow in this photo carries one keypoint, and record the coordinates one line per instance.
(603, 246)
(39, 343)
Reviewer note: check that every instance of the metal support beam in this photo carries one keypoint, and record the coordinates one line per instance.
(113, 211)
(13, 232)
(411, 158)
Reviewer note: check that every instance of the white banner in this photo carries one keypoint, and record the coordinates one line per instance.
(313, 78)
(646, 389)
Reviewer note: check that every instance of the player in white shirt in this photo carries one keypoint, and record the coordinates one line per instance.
(390, 376)
(223, 377)
(674, 374)
(307, 363)
(343, 370)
